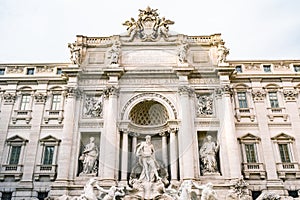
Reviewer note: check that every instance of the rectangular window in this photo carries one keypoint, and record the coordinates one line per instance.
(48, 155)
(297, 68)
(58, 71)
(56, 101)
(238, 69)
(267, 68)
(273, 100)
(2, 71)
(242, 98)
(25, 102)
(284, 153)
(6, 196)
(14, 155)
(30, 71)
(250, 153)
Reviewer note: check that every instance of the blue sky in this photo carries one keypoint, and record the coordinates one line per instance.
(39, 30)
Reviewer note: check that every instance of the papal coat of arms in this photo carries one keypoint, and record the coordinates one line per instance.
(149, 26)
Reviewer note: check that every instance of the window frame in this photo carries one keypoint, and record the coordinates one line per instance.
(58, 104)
(242, 101)
(25, 105)
(273, 98)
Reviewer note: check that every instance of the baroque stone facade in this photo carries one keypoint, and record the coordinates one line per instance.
(64, 126)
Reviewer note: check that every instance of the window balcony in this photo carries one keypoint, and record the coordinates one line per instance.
(45, 170)
(254, 170)
(11, 170)
(278, 112)
(288, 170)
(244, 113)
(21, 115)
(57, 115)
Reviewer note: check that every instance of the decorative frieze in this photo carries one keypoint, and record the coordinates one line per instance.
(15, 69)
(44, 69)
(93, 107)
(204, 105)
(290, 95)
(223, 90)
(9, 98)
(258, 94)
(253, 67)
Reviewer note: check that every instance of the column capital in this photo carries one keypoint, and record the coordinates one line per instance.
(185, 90)
(132, 134)
(40, 97)
(290, 95)
(258, 94)
(72, 92)
(223, 90)
(9, 98)
(111, 91)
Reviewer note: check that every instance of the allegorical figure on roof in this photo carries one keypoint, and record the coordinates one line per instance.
(75, 53)
(182, 53)
(115, 53)
(223, 52)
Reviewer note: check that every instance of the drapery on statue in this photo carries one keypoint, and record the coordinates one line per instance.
(146, 154)
(223, 52)
(114, 53)
(208, 193)
(208, 152)
(89, 157)
(182, 51)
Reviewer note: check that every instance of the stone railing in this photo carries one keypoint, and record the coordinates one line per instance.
(204, 39)
(21, 115)
(98, 40)
(57, 115)
(254, 170)
(277, 112)
(244, 113)
(291, 168)
(45, 170)
(11, 170)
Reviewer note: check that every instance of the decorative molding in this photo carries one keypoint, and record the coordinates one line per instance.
(93, 107)
(111, 90)
(40, 97)
(9, 98)
(15, 69)
(185, 90)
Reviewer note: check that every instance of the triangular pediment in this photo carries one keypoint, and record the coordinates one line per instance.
(50, 139)
(249, 137)
(283, 136)
(16, 139)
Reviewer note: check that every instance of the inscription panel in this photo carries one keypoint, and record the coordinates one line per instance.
(149, 57)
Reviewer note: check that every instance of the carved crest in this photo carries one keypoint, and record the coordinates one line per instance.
(149, 26)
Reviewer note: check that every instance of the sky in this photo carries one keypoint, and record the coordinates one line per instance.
(39, 30)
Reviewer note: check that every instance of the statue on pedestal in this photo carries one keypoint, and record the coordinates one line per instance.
(89, 158)
(208, 154)
(75, 53)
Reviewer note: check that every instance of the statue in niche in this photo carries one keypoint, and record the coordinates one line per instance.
(222, 53)
(182, 53)
(208, 154)
(208, 193)
(75, 53)
(205, 105)
(146, 155)
(93, 107)
(89, 158)
(114, 53)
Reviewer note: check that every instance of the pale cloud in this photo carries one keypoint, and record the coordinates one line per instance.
(38, 31)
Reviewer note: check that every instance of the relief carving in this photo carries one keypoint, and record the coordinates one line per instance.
(258, 95)
(9, 97)
(290, 95)
(93, 107)
(40, 97)
(204, 105)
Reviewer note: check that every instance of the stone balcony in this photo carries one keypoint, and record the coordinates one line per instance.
(21, 115)
(254, 171)
(288, 170)
(244, 113)
(277, 113)
(45, 170)
(55, 115)
(11, 170)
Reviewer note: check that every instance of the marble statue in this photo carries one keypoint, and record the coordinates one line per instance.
(185, 190)
(208, 193)
(208, 153)
(222, 53)
(146, 154)
(114, 53)
(182, 53)
(111, 193)
(89, 157)
(239, 191)
(75, 53)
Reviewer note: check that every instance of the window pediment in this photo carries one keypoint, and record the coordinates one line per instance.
(283, 137)
(16, 139)
(249, 138)
(50, 139)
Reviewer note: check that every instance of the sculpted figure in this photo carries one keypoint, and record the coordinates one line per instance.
(75, 53)
(89, 157)
(88, 190)
(146, 154)
(208, 153)
(207, 192)
(222, 53)
(182, 53)
(112, 193)
(185, 190)
(268, 196)
(114, 53)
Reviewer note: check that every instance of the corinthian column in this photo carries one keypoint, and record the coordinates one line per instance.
(124, 167)
(109, 139)
(186, 136)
